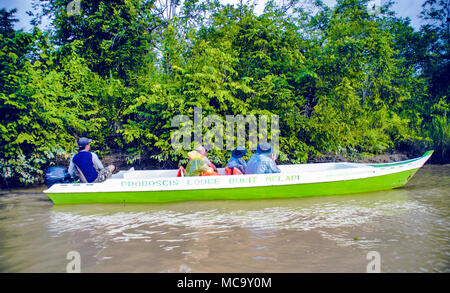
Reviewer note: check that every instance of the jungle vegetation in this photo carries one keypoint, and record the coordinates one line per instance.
(351, 80)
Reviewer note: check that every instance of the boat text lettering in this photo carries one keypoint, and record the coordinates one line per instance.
(241, 179)
(144, 183)
(280, 178)
(202, 181)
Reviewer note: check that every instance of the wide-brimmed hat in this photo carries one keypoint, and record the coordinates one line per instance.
(238, 152)
(83, 142)
(264, 148)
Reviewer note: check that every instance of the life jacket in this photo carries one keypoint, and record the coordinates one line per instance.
(214, 173)
(233, 171)
(236, 171)
(181, 172)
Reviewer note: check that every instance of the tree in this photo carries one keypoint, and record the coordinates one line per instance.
(115, 35)
(7, 21)
(435, 34)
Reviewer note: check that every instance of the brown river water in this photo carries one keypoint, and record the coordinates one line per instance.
(408, 229)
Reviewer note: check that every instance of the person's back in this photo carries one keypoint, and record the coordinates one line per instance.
(197, 165)
(88, 164)
(262, 162)
(84, 161)
(236, 161)
(202, 151)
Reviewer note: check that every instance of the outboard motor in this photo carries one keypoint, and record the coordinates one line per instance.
(56, 175)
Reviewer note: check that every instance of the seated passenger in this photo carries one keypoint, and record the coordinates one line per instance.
(197, 165)
(201, 150)
(263, 161)
(87, 164)
(236, 160)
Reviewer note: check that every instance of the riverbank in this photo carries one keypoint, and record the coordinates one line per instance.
(383, 158)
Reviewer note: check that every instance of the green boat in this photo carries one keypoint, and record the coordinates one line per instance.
(300, 180)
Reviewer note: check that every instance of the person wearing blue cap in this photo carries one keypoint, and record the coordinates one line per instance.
(236, 160)
(263, 161)
(88, 165)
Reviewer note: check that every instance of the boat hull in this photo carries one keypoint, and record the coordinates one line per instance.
(352, 186)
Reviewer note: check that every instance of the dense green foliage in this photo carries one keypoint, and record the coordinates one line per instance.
(343, 80)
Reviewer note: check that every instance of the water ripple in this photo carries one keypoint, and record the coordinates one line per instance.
(123, 226)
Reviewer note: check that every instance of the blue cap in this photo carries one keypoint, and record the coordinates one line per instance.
(83, 142)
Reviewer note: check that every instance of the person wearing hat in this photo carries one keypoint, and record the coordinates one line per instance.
(88, 165)
(197, 165)
(202, 151)
(263, 161)
(236, 160)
